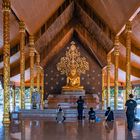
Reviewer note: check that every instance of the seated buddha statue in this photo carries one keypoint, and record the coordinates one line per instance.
(73, 81)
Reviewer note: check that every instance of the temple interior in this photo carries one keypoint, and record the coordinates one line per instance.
(54, 51)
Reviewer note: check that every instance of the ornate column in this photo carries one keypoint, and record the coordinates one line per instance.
(6, 49)
(108, 78)
(116, 54)
(38, 71)
(103, 89)
(124, 99)
(42, 86)
(14, 100)
(7, 132)
(31, 44)
(22, 63)
(128, 59)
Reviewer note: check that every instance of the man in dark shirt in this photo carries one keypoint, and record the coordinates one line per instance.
(80, 107)
(109, 114)
(92, 115)
(130, 111)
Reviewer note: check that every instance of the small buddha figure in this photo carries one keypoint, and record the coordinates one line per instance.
(73, 80)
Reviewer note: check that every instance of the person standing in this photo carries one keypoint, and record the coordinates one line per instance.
(80, 107)
(130, 111)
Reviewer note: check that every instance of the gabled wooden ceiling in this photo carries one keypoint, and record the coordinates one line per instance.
(115, 12)
(136, 31)
(111, 12)
(35, 12)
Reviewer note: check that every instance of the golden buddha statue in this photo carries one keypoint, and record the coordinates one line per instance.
(72, 65)
(73, 81)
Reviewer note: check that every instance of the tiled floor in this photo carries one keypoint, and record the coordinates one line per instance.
(83, 130)
(74, 130)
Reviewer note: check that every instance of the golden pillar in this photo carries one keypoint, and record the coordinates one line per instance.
(103, 89)
(108, 79)
(14, 98)
(116, 54)
(42, 87)
(7, 132)
(128, 59)
(22, 63)
(31, 44)
(38, 72)
(124, 98)
(6, 41)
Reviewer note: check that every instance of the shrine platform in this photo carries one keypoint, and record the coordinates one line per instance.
(69, 106)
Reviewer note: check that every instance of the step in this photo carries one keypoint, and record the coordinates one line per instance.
(69, 113)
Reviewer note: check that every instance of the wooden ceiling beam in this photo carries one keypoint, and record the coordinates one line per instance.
(88, 40)
(130, 19)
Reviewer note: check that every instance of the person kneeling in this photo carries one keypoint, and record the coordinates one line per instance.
(92, 115)
(60, 116)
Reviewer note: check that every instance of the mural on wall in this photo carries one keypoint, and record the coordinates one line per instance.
(91, 81)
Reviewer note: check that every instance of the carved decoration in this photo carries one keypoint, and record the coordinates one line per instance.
(73, 60)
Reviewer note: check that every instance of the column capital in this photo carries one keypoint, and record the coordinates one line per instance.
(108, 67)
(6, 5)
(31, 40)
(42, 73)
(31, 44)
(109, 62)
(31, 53)
(108, 58)
(128, 27)
(116, 40)
(103, 71)
(116, 45)
(38, 59)
(21, 26)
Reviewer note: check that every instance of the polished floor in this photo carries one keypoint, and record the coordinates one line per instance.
(42, 129)
(74, 130)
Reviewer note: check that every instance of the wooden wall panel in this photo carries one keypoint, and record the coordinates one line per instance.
(91, 80)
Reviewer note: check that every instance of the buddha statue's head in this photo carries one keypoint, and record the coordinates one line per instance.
(73, 72)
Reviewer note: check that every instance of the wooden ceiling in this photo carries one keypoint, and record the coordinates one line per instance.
(13, 26)
(136, 31)
(114, 13)
(34, 12)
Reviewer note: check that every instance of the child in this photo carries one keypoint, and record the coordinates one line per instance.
(109, 115)
(92, 115)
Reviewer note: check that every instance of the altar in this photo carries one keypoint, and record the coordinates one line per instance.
(70, 100)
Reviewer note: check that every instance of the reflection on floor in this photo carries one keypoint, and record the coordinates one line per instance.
(44, 129)
(77, 130)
